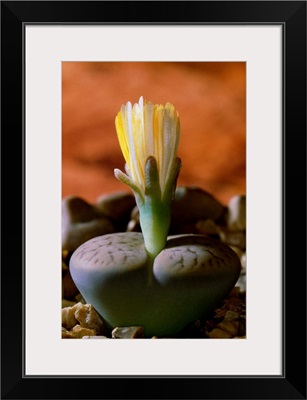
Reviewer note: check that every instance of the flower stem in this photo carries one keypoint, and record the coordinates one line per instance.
(155, 218)
(154, 206)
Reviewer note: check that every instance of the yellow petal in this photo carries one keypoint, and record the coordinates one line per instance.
(145, 130)
(122, 136)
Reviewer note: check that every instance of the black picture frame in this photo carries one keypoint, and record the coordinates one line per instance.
(292, 16)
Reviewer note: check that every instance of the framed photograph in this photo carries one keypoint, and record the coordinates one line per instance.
(236, 72)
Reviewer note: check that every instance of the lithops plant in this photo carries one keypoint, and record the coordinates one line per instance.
(150, 279)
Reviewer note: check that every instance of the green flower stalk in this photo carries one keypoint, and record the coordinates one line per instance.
(148, 135)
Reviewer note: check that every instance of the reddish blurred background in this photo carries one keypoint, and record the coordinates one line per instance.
(210, 98)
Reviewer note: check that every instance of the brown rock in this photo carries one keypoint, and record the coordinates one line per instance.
(191, 204)
(232, 327)
(68, 317)
(80, 222)
(84, 315)
(77, 332)
(88, 317)
(218, 333)
(117, 207)
(231, 315)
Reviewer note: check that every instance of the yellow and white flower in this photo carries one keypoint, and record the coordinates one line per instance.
(148, 130)
(148, 135)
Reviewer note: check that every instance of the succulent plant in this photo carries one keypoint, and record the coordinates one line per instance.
(159, 282)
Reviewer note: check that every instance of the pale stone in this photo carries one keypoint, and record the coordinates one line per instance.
(135, 214)
(241, 283)
(83, 314)
(88, 317)
(129, 332)
(68, 317)
(77, 332)
(133, 226)
(243, 260)
(236, 213)
(231, 315)
(95, 337)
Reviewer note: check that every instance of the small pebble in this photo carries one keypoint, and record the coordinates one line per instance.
(134, 223)
(130, 332)
(232, 327)
(231, 316)
(243, 260)
(77, 332)
(133, 226)
(234, 294)
(218, 333)
(236, 213)
(233, 238)
(84, 315)
(241, 283)
(197, 212)
(88, 317)
(68, 317)
(95, 337)
(135, 214)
